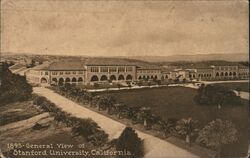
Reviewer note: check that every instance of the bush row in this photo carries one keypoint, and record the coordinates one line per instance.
(79, 126)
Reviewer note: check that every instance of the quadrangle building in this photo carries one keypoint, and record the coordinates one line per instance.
(118, 70)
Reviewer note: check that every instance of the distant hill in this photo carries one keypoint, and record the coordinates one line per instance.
(194, 58)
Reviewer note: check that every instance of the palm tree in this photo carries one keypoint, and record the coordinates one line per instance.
(146, 114)
(218, 133)
(187, 128)
(168, 127)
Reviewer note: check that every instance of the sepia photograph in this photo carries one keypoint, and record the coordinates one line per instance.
(124, 79)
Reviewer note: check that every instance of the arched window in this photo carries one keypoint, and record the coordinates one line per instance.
(140, 78)
(94, 78)
(166, 76)
(230, 73)
(104, 78)
(152, 77)
(221, 74)
(54, 80)
(80, 79)
(217, 74)
(61, 80)
(112, 77)
(129, 77)
(73, 79)
(67, 80)
(43, 80)
(155, 76)
(234, 73)
(226, 74)
(121, 77)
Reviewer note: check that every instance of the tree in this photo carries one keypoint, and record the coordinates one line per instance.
(218, 133)
(13, 87)
(187, 127)
(216, 95)
(130, 141)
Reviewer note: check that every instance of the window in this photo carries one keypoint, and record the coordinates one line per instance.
(54, 73)
(121, 69)
(129, 69)
(94, 69)
(67, 72)
(80, 72)
(61, 73)
(112, 69)
(46, 73)
(74, 72)
(104, 69)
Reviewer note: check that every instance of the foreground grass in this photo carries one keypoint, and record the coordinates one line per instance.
(55, 133)
(17, 111)
(177, 102)
(244, 86)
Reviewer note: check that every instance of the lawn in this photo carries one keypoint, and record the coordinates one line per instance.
(244, 86)
(177, 102)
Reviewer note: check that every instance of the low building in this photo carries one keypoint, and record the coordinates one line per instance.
(109, 70)
(225, 72)
(149, 73)
(243, 72)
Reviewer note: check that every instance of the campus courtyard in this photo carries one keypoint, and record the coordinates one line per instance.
(178, 103)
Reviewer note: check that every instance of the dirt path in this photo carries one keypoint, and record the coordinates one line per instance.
(155, 147)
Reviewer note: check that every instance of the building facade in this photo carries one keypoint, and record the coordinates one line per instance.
(109, 71)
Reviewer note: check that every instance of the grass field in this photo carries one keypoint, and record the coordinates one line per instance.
(177, 102)
(244, 86)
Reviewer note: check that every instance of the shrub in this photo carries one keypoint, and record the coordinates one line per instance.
(130, 141)
(218, 133)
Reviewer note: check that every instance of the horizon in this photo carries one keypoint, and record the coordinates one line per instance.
(124, 28)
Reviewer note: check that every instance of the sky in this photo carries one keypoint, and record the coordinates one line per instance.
(124, 28)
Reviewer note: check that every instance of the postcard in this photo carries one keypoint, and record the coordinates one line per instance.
(124, 79)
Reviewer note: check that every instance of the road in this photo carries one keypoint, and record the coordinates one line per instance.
(155, 147)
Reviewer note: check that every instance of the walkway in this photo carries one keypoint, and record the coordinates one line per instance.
(155, 147)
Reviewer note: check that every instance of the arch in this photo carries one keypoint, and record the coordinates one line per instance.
(155, 77)
(144, 77)
(166, 76)
(67, 80)
(94, 78)
(193, 76)
(152, 77)
(104, 78)
(54, 80)
(44, 80)
(73, 79)
(222, 74)
(234, 73)
(61, 80)
(148, 77)
(129, 77)
(226, 74)
(121, 77)
(112, 77)
(80, 79)
(230, 73)
(140, 78)
(217, 74)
